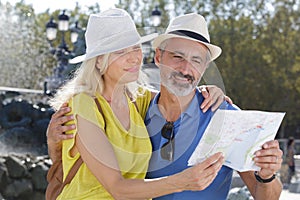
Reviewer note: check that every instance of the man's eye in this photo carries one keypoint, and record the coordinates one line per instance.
(177, 57)
(197, 61)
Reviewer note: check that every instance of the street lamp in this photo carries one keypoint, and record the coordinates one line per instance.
(63, 26)
(147, 48)
(62, 52)
(75, 32)
(51, 29)
(156, 17)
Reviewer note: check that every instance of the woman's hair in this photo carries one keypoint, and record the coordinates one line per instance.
(88, 79)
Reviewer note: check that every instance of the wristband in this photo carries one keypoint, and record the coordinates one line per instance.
(261, 180)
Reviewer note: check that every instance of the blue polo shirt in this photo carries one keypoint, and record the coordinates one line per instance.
(188, 130)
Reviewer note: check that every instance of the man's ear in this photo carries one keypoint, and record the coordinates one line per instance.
(157, 56)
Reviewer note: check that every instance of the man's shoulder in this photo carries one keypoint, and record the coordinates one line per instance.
(226, 106)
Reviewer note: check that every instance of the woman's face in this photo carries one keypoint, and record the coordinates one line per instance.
(124, 65)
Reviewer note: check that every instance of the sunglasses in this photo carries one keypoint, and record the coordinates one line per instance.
(167, 149)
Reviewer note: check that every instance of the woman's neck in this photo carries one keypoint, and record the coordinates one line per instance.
(115, 95)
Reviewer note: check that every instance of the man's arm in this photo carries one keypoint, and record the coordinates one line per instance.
(56, 130)
(213, 95)
(269, 159)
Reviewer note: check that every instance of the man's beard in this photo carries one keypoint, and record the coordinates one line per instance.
(177, 88)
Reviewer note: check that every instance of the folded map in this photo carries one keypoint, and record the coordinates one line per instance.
(238, 134)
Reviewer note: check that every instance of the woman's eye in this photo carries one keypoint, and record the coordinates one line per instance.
(137, 49)
(119, 52)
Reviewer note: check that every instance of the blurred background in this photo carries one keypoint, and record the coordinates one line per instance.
(259, 65)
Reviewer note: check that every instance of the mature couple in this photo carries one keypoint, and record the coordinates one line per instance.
(120, 160)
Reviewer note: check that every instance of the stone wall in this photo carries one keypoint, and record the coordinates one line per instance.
(23, 123)
(24, 162)
(23, 177)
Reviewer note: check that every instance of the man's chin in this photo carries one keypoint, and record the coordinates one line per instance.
(180, 92)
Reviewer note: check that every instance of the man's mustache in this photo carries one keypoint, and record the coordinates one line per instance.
(187, 76)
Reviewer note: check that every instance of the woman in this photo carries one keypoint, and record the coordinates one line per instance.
(290, 158)
(114, 143)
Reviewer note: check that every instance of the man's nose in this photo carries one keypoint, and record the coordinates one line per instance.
(185, 67)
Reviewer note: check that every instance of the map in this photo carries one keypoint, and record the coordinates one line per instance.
(237, 134)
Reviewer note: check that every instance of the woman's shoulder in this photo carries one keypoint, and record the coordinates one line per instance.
(82, 99)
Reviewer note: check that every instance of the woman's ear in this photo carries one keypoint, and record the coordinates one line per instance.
(99, 62)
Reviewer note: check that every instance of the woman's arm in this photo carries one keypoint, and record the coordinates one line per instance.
(213, 97)
(97, 152)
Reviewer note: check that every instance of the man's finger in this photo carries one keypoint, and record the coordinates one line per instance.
(66, 136)
(64, 119)
(67, 128)
(271, 144)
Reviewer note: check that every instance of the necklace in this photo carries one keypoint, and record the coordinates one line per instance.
(108, 100)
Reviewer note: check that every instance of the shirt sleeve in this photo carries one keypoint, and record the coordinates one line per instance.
(226, 106)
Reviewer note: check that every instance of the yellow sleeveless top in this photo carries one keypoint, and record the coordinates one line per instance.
(132, 148)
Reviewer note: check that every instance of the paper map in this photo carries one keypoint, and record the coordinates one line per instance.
(238, 134)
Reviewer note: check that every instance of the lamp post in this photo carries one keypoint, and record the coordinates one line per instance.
(156, 17)
(62, 52)
(147, 48)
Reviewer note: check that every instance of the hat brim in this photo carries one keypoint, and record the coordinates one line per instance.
(215, 51)
(143, 39)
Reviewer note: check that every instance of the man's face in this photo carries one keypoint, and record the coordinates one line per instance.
(182, 63)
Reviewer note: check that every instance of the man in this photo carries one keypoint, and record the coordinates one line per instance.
(176, 124)
(176, 127)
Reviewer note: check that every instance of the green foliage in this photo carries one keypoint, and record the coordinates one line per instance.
(22, 55)
(259, 66)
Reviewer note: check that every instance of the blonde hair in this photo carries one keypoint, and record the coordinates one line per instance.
(89, 79)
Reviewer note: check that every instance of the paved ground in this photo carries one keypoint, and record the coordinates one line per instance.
(286, 195)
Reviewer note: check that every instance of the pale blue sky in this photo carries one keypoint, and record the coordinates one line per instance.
(42, 5)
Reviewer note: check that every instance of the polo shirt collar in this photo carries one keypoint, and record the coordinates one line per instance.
(190, 111)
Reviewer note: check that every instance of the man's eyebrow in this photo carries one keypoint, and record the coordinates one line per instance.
(181, 53)
(176, 52)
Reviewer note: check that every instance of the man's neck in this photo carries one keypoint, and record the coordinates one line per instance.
(171, 106)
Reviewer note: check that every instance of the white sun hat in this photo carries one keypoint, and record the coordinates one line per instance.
(110, 31)
(192, 27)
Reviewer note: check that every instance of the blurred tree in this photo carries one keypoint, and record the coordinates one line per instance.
(22, 55)
(260, 63)
(281, 42)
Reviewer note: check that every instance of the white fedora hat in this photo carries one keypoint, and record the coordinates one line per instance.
(110, 31)
(192, 27)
